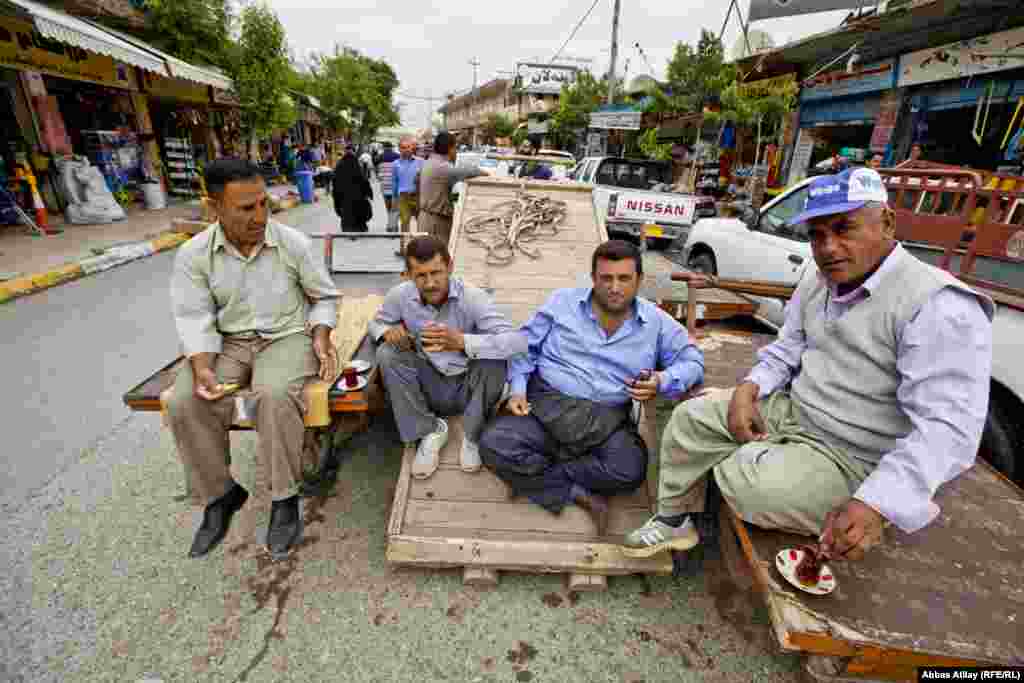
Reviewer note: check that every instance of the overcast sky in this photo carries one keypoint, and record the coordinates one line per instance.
(429, 43)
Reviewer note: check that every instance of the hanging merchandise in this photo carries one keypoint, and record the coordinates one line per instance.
(986, 100)
(1013, 120)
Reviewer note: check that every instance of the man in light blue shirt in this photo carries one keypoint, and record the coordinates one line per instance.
(406, 181)
(592, 352)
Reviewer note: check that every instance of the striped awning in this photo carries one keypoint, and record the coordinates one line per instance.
(57, 25)
(205, 75)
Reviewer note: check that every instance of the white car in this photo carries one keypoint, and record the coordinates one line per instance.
(762, 248)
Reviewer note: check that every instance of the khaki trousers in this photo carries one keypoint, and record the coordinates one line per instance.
(277, 371)
(408, 208)
(789, 481)
(438, 226)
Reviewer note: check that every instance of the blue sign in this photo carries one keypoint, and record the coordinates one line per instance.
(870, 78)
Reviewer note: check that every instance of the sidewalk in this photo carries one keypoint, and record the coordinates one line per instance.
(30, 263)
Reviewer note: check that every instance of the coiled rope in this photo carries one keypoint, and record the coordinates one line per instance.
(509, 226)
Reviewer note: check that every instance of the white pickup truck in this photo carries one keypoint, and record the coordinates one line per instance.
(763, 247)
(627, 204)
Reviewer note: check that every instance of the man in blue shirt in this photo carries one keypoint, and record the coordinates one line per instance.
(406, 182)
(592, 352)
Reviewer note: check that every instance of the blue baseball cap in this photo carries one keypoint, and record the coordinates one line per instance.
(841, 193)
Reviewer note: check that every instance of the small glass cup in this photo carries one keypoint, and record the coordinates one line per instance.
(350, 376)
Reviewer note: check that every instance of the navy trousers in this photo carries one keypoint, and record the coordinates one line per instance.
(530, 460)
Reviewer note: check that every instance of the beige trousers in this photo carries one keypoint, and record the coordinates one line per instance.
(438, 226)
(789, 481)
(277, 371)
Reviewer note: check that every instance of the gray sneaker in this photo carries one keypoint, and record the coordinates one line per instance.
(655, 537)
(428, 454)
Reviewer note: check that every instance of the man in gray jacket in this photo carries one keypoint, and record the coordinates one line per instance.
(443, 351)
(887, 362)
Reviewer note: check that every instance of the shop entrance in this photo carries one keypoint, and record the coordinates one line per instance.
(946, 136)
(829, 140)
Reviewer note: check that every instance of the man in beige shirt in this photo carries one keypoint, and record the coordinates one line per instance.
(253, 305)
(437, 178)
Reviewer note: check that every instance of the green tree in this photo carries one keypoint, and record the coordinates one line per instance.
(575, 105)
(355, 88)
(197, 31)
(261, 71)
(497, 126)
(696, 77)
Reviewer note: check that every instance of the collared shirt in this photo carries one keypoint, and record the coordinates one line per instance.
(488, 333)
(573, 353)
(944, 358)
(216, 291)
(405, 172)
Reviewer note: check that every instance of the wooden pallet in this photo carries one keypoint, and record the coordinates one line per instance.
(455, 519)
(947, 595)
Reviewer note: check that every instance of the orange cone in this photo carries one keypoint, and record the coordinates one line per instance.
(37, 202)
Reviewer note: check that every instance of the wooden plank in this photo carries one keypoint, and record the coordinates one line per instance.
(897, 598)
(587, 583)
(548, 536)
(465, 516)
(480, 576)
(450, 483)
(401, 499)
(534, 557)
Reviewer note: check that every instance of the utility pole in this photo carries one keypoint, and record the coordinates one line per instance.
(615, 52)
(474, 97)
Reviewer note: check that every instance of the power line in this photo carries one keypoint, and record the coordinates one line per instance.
(573, 34)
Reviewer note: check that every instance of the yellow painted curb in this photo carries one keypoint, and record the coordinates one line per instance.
(30, 284)
(170, 240)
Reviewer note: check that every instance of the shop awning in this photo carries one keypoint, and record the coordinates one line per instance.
(57, 25)
(206, 75)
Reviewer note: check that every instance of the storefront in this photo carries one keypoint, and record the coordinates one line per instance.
(961, 106)
(77, 83)
(838, 113)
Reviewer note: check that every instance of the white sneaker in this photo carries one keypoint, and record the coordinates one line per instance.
(428, 453)
(470, 457)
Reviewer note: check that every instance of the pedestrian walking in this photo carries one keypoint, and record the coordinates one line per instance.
(352, 195)
(385, 177)
(406, 182)
(366, 163)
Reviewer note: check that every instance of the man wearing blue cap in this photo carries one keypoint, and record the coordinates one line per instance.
(874, 394)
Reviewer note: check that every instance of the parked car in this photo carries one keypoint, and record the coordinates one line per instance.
(761, 246)
(632, 201)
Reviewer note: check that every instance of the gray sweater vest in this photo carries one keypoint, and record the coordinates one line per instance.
(846, 388)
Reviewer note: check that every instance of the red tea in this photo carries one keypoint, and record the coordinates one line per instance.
(350, 376)
(808, 569)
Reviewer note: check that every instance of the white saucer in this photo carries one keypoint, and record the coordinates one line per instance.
(786, 561)
(360, 383)
(361, 366)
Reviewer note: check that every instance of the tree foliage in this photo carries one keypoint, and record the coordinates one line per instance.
(497, 126)
(197, 31)
(651, 148)
(261, 71)
(696, 77)
(356, 91)
(575, 105)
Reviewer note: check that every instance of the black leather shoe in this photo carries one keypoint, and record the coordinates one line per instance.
(285, 526)
(216, 520)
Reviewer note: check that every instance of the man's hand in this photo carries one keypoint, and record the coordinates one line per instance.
(645, 390)
(399, 337)
(745, 421)
(518, 405)
(851, 530)
(325, 353)
(205, 384)
(440, 337)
